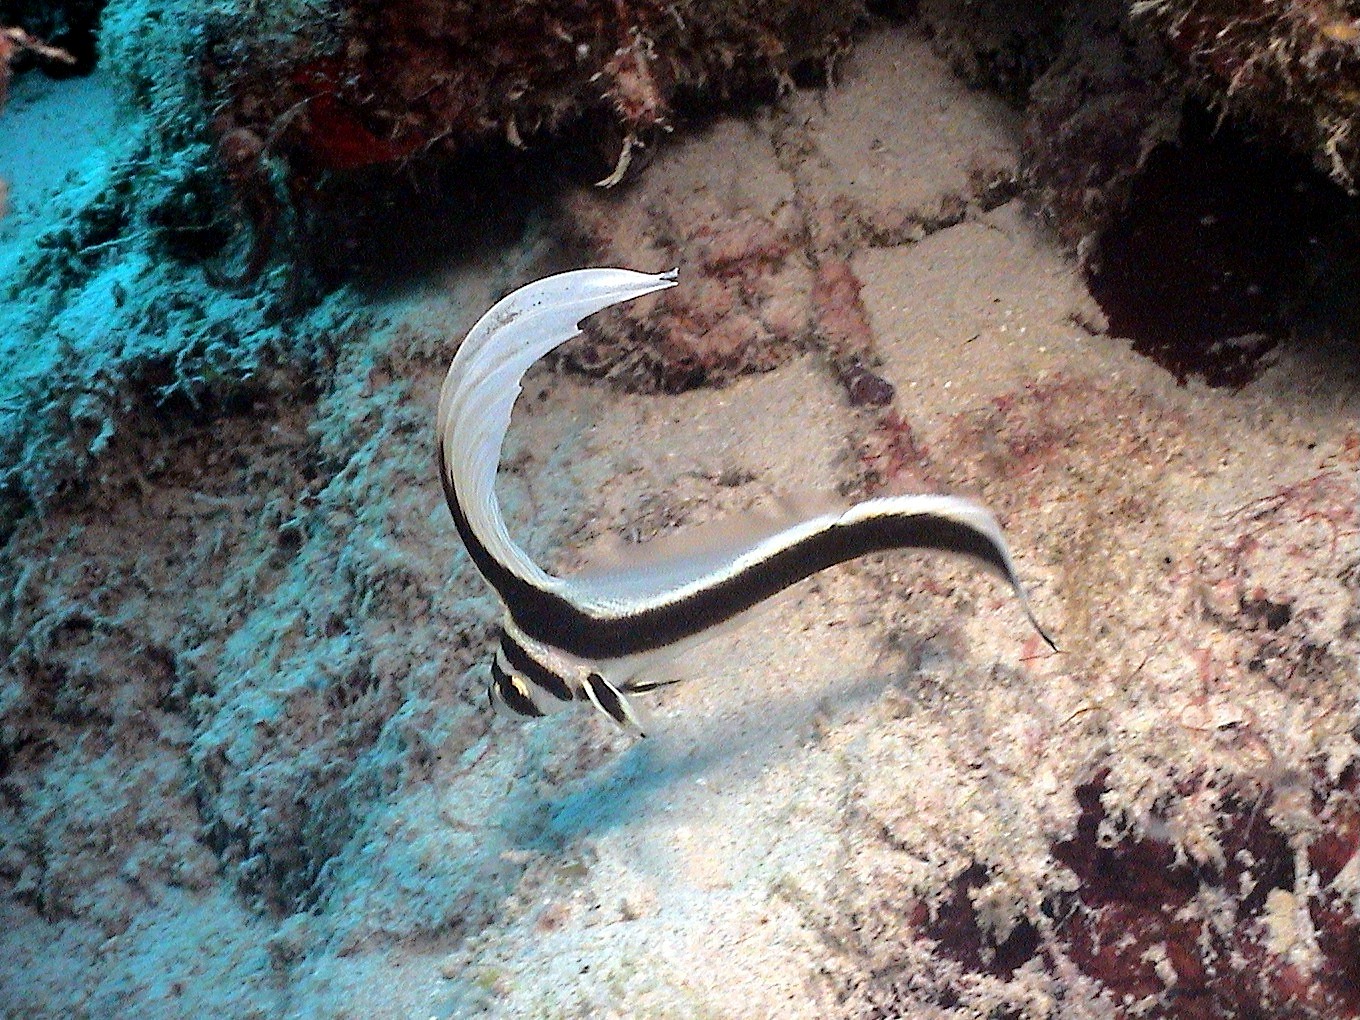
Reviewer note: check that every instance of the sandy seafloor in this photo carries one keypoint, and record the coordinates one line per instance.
(260, 781)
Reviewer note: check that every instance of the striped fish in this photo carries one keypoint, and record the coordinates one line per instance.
(587, 638)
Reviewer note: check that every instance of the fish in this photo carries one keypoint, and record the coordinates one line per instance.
(594, 637)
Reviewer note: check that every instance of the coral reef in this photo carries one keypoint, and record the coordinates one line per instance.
(1004, 46)
(1251, 920)
(1212, 871)
(363, 85)
(245, 767)
(1104, 83)
(1214, 254)
(394, 79)
(276, 155)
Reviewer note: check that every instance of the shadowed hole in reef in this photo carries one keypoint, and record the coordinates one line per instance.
(1225, 247)
(386, 230)
(1166, 936)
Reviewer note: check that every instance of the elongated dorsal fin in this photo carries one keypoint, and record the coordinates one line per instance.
(483, 383)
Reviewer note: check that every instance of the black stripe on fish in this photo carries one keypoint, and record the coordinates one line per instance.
(552, 619)
(538, 674)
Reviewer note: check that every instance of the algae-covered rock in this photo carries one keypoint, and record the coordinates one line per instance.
(1093, 117)
(1292, 68)
(1103, 82)
(365, 84)
(999, 45)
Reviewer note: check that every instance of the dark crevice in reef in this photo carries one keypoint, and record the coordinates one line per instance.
(381, 230)
(1226, 249)
(384, 227)
(955, 927)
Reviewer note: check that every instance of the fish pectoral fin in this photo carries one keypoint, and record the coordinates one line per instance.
(613, 703)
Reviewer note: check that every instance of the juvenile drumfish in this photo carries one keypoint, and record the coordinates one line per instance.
(587, 638)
